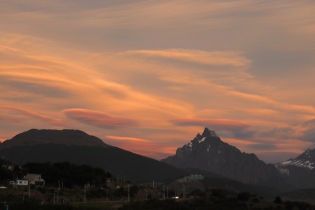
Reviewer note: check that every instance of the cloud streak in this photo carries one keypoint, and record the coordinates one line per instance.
(99, 119)
(195, 56)
(46, 119)
(238, 128)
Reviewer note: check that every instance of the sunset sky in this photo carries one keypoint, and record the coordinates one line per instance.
(147, 76)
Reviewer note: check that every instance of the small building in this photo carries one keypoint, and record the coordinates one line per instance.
(191, 178)
(22, 182)
(108, 182)
(35, 179)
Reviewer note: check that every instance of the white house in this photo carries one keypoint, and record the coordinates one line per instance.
(21, 182)
(35, 179)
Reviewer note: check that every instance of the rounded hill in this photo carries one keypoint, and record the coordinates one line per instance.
(65, 137)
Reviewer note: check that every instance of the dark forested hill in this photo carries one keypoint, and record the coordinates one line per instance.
(64, 137)
(135, 168)
(78, 147)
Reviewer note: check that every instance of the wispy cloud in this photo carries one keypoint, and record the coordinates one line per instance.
(99, 119)
(238, 128)
(8, 119)
(195, 56)
(43, 118)
(138, 145)
(122, 138)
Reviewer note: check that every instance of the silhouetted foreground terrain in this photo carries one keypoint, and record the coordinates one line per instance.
(72, 195)
(214, 199)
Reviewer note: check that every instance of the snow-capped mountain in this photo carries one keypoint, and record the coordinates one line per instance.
(305, 160)
(301, 170)
(208, 152)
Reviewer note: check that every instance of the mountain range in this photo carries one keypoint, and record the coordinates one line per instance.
(222, 164)
(208, 152)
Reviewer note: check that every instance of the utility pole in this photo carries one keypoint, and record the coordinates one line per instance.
(84, 193)
(167, 192)
(29, 192)
(128, 192)
(163, 191)
(61, 183)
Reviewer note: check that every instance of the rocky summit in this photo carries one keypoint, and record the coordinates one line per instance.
(208, 152)
(299, 171)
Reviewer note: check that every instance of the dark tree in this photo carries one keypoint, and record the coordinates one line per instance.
(278, 200)
(243, 196)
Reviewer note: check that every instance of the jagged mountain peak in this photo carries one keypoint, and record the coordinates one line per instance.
(304, 160)
(208, 133)
(208, 152)
(207, 142)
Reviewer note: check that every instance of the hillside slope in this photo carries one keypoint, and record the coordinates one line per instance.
(80, 148)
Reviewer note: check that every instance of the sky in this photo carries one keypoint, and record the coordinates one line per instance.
(147, 76)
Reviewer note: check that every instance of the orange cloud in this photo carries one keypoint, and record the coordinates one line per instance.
(8, 119)
(47, 119)
(141, 146)
(136, 145)
(99, 119)
(218, 123)
(121, 138)
(238, 128)
(195, 56)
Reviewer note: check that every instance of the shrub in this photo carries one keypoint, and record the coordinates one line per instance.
(243, 196)
(278, 200)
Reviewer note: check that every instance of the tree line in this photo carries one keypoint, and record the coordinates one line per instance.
(60, 174)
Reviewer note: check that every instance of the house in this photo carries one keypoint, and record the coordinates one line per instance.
(11, 167)
(35, 179)
(191, 178)
(22, 182)
(108, 182)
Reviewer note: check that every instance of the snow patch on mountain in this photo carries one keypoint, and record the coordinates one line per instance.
(305, 160)
(202, 140)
